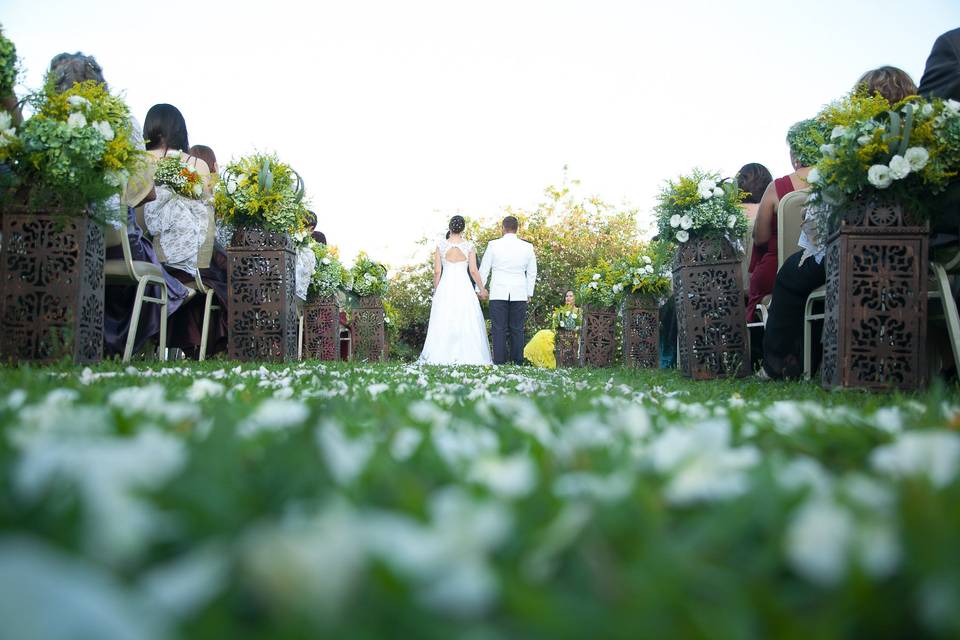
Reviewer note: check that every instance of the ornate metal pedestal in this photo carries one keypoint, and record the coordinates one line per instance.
(708, 290)
(875, 311)
(51, 287)
(262, 310)
(321, 329)
(368, 330)
(566, 347)
(641, 332)
(598, 337)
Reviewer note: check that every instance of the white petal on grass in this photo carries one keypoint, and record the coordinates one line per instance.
(583, 485)
(931, 454)
(274, 414)
(204, 388)
(405, 443)
(346, 457)
(508, 477)
(188, 583)
(818, 541)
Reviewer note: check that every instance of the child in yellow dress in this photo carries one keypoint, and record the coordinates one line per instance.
(540, 350)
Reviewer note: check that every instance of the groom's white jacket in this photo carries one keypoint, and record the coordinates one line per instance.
(514, 268)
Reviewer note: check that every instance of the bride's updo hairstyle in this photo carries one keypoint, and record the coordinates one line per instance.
(457, 224)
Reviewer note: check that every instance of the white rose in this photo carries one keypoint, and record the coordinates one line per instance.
(647, 270)
(104, 129)
(917, 157)
(706, 185)
(596, 276)
(686, 222)
(879, 176)
(731, 221)
(828, 150)
(647, 260)
(717, 191)
(926, 110)
(864, 139)
(682, 236)
(899, 167)
(197, 189)
(594, 285)
(325, 261)
(617, 288)
(814, 176)
(675, 220)
(76, 120)
(837, 132)
(231, 186)
(952, 106)
(78, 101)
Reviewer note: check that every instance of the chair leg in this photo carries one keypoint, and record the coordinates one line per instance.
(134, 321)
(205, 332)
(300, 339)
(807, 339)
(949, 310)
(162, 348)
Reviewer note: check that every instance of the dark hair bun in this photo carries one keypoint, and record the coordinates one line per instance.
(457, 224)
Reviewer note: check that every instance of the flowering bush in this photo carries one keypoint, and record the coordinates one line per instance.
(700, 206)
(903, 153)
(259, 190)
(172, 171)
(76, 150)
(599, 287)
(368, 278)
(566, 318)
(9, 66)
(644, 273)
(806, 139)
(410, 295)
(330, 276)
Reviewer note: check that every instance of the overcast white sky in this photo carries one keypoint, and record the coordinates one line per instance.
(400, 114)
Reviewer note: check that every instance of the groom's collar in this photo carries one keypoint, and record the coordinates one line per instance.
(510, 233)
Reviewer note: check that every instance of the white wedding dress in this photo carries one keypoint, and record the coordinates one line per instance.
(457, 333)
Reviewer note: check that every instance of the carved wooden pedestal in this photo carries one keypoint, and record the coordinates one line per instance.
(262, 309)
(641, 332)
(51, 287)
(598, 337)
(566, 347)
(711, 321)
(368, 330)
(875, 310)
(321, 329)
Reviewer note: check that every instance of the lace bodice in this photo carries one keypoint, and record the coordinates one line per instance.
(444, 246)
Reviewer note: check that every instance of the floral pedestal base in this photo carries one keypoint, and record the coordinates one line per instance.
(711, 321)
(51, 287)
(875, 310)
(321, 329)
(641, 332)
(262, 308)
(368, 330)
(598, 337)
(566, 347)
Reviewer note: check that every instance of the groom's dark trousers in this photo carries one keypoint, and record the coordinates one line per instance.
(507, 317)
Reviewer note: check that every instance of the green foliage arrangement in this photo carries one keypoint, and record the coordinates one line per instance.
(645, 273)
(259, 190)
(805, 139)
(330, 276)
(701, 205)
(599, 287)
(566, 318)
(906, 153)
(173, 172)
(409, 295)
(75, 151)
(368, 278)
(9, 66)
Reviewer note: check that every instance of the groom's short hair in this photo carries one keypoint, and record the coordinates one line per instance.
(511, 224)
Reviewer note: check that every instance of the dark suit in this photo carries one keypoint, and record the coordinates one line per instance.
(941, 78)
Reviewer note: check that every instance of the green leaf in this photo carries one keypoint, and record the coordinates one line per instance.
(894, 134)
(907, 129)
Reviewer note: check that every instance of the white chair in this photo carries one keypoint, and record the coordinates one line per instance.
(127, 271)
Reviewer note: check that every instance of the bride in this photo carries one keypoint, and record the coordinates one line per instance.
(457, 333)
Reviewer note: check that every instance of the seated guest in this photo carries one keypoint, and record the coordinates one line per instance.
(763, 260)
(320, 237)
(752, 179)
(306, 260)
(540, 349)
(799, 277)
(66, 70)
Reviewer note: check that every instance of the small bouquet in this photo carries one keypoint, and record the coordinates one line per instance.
(9, 66)
(701, 205)
(643, 274)
(598, 287)
(566, 318)
(76, 150)
(259, 190)
(179, 176)
(368, 278)
(903, 154)
(329, 276)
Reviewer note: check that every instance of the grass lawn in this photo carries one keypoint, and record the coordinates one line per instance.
(214, 500)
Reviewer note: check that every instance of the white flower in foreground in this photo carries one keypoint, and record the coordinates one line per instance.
(76, 120)
(818, 541)
(926, 110)
(731, 221)
(204, 388)
(931, 454)
(596, 276)
(647, 260)
(274, 414)
(718, 192)
(917, 157)
(814, 176)
(952, 107)
(899, 167)
(346, 458)
(864, 139)
(675, 220)
(510, 477)
(104, 129)
(683, 236)
(187, 583)
(828, 150)
(686, 222)
(838, 132)
(706, 187)
(879, 176)
(37, 580)
(231, 186)
(376, 389)
(405, 443)
(77, 102)
(325, 261)
(579, 485)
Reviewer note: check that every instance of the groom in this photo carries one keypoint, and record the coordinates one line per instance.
(514, 274)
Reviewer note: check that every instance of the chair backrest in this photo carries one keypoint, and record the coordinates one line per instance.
(789, 219)
(114, 237)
